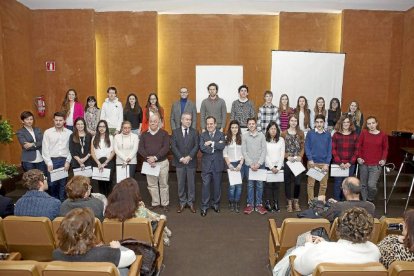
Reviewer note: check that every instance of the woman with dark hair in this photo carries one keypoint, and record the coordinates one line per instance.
(133, 113)
(78, 191)
(353, 247)
(125, 202)
(294, 150)
(372, 155)
(92, 115)
(72, 108)
(275, 153)
(284, 112)
(77, 242)
(102, 151)
(334, 112)
(344, 151)
(233, 156)
(80, 145)
(303, 113)
(152, 107)
(399, 248)
(30, 139)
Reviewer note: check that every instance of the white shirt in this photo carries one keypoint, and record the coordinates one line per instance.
(103, 150)
(56, 144)
(112, 113)
(69, 119)
(275, 154)
(39, 157)
(302, 120)
(126, 146)
(233, 152)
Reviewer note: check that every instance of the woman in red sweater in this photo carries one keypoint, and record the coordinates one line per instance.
(372, 154)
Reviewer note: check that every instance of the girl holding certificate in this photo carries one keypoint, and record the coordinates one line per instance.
(126, 148)
(233, 156)
(275, 153)
(294, 149)
(344, 151)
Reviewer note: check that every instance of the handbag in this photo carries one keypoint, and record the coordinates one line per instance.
(149, 255)
(320, 232)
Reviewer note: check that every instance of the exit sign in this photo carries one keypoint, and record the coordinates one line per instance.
(50, 66)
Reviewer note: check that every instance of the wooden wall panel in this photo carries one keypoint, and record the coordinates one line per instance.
(406, 96)
(16, 83)
(127, 53)
(66, 37)
(372, 41)
(189, 40)
(318, 32)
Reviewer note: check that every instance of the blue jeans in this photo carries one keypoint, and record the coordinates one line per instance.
(27, 166)
(57, 188)
(236, 190)
(251, 184)
(337, 194)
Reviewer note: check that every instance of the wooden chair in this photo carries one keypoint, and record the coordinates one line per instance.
(136, 228)
(3, 245)
(31, 236)
(281, 239)
(401, 268)
(385, 222)
(21, 268)
(98, 228)
(374, 236)
(367, 269)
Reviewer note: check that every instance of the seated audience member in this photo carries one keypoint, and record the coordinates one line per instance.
(6, 206)
(36, 202)
(399, 248)
(78, 191)
(125, 202)
(353, 247)
(332, 209)
(77, 242)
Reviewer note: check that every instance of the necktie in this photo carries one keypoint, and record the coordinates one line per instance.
(185, 133)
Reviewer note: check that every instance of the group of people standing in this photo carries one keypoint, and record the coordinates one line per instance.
(112, 136)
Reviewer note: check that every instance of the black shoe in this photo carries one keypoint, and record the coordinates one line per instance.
(268, 206)
(276, 206)
(231, 206)
(216, 209)
(237, 207)
(203, 213)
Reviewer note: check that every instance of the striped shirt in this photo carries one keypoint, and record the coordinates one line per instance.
(284, 119)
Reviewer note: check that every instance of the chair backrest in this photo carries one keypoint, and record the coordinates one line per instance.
(20, 268)
(293, 227)
(139, 229)
(374, 236)
(59, 268)
(368, 269)
(401, 268)
(273, 243)
(98, 228)
(31, 236)
(3, 245)
(385, 222)
(112, 230)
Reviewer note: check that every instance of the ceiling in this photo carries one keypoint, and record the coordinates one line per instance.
(221, 6)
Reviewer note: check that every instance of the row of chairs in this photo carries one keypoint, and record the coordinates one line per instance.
(35, 238)
(285, 237)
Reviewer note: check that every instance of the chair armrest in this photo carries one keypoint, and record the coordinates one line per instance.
(293, 272)
(274, 234)
(14, 256)
(135, 268)
(157, 239)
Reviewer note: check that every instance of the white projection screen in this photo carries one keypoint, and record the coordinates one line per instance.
(228, 78)
(309, 74)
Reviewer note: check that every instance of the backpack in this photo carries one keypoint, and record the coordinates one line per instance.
(149, 255)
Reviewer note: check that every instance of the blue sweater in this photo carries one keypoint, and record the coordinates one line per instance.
(318, 147)
(37, 204)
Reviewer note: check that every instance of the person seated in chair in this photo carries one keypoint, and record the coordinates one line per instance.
(36, 202)
(6, 206)
(332, 209)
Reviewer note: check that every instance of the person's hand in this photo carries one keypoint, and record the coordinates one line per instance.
(238, 168)
(381, 162)
(360, 161)
(208, 143)
(311, 164)
(331, 200)
(317, 239)
(298, 158)
(322, 198)
(151, 159)
(124, 165)
(231, 167)
(67, 165)
(28, 145)
(347, 165)
(325, 168)
(342, 166)
(49, 168)
(291, 159)
(275, 170)
(82, 166)
(114, 244)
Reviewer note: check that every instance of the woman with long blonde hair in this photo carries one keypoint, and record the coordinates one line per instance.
(284, 112)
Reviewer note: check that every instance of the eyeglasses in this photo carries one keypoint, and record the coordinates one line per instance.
(101, 126)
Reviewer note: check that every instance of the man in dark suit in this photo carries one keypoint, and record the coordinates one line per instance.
(212, 143)
(184, 145)
(184, 105)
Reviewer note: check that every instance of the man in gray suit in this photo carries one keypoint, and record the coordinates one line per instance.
(212, 143)
(184, 146)
(184, 105)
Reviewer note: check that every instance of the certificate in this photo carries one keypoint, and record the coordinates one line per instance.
(87, 171)
(104, 175)
(58, 174)
(275, 177)
(121, 173)
(296, 167)
(336, 171)
(316, 173)
(234, 177)
(147, 169)
(259, 175)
